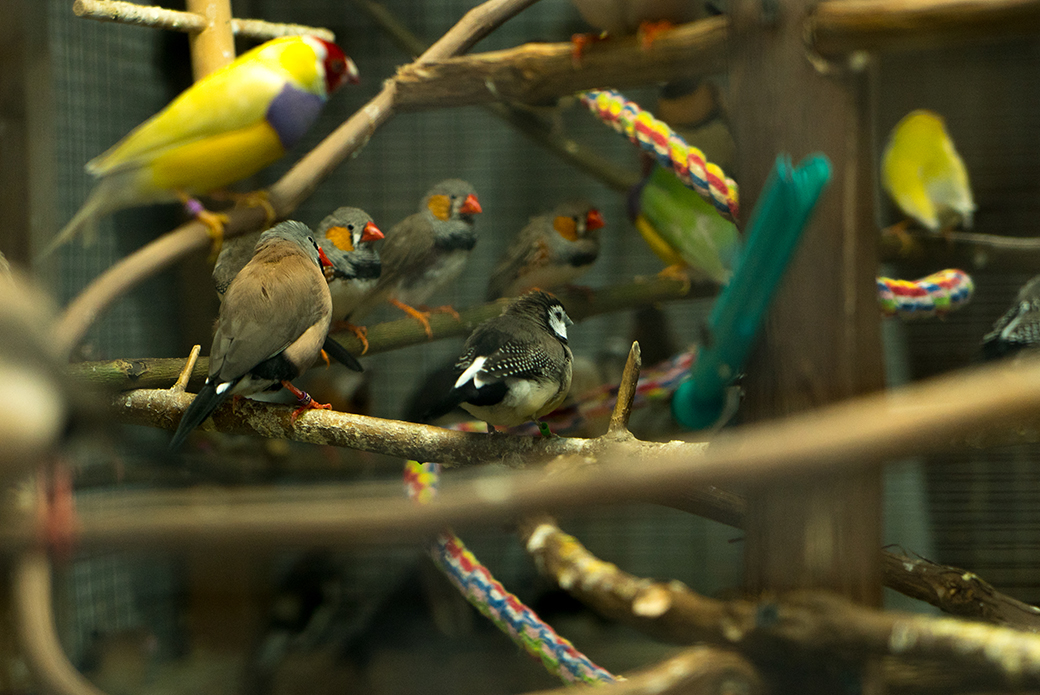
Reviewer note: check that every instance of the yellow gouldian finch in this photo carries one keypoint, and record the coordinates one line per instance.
(227, 126)
(924, 174)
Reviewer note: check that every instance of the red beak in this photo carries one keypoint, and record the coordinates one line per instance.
(594, 220)
(325, 262)
(371, 232)
(471, 205)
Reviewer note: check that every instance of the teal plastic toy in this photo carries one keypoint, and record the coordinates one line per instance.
(773, 232)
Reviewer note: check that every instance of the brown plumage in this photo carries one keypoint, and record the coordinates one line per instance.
(272, 323)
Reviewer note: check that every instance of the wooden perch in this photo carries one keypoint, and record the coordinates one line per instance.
(173, 20)
(800, 626)
(124, 374)
(540, 73)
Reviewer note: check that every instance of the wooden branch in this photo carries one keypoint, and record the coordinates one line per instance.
(172, 20)
(536, 128)
(697, 671)
(124, 374)
(957, 592)
(33, 616)
(285, 195)
(965, 250)
(214, 46)
(850, 25)
(163, 408)
(541, 73)
(802, 626)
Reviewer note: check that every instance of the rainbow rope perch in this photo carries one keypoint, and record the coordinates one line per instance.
(935, 295)
(671, 150)
(488, 596)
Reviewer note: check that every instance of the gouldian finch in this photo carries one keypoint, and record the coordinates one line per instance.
(515, 367)
(927, 179)
(1019, 327)
(682, 228)
(229, 125)
(425, 251)
(551, 250)
(272, 324)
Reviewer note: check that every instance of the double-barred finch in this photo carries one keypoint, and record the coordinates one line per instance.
(227, 126)
(551, 250)
(1019, 327)
(426, 251)
(924, 174)
(515, 367)
(272, 323)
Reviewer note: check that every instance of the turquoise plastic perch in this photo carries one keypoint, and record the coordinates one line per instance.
(774, 229)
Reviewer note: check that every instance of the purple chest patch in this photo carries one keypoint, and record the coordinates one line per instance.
(292, 112)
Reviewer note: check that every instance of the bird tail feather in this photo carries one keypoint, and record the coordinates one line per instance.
(453, 399)
(341, 355)
(201, 408)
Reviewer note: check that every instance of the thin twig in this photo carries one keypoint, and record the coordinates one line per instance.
(158, 373)
(174, 20)
(965, 250)
(189, 365)
(626, 393)
(285, 195)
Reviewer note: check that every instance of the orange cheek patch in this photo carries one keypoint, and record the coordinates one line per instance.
(440, 206)
(340, 236)
(567, 228)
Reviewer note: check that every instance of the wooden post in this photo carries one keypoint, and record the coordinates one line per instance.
(214, 46)
(822, 339)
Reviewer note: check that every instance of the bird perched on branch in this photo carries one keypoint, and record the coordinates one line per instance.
(682, 228)
(347, 237)
(925, 176)
(646, 18)
(515, 367)
(1019, 327)
(426, 251)
(551, 250)
(272, 324)
(227, 126)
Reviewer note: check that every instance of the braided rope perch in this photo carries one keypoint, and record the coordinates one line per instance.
(488, 596)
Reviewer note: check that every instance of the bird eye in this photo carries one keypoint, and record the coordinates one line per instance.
(350, 227)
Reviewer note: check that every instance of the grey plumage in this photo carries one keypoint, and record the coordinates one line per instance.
(426, 250)
(347, 236)
(553, 249)
(272, 323)
(1019, 327)
(515, 367)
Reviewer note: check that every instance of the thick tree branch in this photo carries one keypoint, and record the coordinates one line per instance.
(541, 73)
(124, 374)
(799, 626)
(298, 183)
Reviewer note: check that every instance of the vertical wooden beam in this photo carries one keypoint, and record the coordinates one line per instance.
(822, 339)
(214, 46)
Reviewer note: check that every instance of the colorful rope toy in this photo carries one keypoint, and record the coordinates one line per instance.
(935, 295)
(671, 150)
(488, 596)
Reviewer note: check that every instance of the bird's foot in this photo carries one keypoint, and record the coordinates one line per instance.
(305, 401)
(907, 245)
(251, 199)
(649, 31)
(444, 309)
(422, 317)
(325, 358)
(678, 272)
(360, 331)
(579, 42)
(214, 222)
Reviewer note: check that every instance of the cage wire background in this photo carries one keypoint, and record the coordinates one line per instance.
(106, 78)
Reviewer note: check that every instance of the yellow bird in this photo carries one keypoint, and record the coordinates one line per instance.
(924, 174)
(227, 126)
